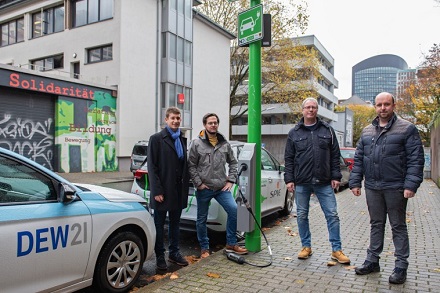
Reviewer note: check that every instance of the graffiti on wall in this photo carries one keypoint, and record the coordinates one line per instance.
(30, 138)
(86, 133)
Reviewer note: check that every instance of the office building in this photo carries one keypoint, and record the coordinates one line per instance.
(375, 75)
(107, 70)
(278, 119)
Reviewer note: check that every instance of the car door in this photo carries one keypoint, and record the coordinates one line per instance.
(271, 183)
(45, 243)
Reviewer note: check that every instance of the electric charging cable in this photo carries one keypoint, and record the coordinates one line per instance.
(240, 259)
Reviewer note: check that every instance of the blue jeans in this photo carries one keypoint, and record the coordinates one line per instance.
(225, 199)
(173, 231)
(327, 201)
(380, 204)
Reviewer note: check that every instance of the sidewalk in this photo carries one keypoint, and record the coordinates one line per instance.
(289, 274)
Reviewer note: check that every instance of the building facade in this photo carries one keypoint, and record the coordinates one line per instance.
(375, 75)
(144, 55)
(278, 119)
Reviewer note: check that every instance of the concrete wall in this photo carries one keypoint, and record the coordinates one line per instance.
(210, 77)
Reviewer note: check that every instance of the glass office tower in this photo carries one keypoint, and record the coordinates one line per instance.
(375, 75)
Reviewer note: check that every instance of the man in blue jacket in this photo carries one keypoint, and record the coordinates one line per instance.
(312, 165)
(390, 156)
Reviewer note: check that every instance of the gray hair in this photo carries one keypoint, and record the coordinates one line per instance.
(308, 100)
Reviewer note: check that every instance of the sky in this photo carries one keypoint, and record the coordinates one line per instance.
(353, 30)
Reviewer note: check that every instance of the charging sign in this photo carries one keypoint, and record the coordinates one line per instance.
(250, 25)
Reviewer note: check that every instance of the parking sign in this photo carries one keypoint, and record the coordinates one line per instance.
(250, 25)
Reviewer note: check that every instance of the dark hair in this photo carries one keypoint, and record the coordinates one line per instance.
(172, 110)
(205, 118)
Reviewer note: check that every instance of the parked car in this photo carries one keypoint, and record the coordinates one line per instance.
(59, 236)
(138, 155)
(276, 198)
(348, 155)
(345, 171)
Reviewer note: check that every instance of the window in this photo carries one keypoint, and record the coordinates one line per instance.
(99, 54)
(91, 11)
(20, 183)
(48, 21)
(48, 63)
(12, 32)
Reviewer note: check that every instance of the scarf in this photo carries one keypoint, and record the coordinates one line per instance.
(177, 143)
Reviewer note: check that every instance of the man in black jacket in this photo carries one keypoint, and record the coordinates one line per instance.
(390, 156)
(312, 159)
(169, 185)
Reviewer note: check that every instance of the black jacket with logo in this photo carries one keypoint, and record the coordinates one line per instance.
(312, 157)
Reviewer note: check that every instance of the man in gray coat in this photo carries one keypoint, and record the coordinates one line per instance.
(390, 157)
(208, 155)
(169, 185)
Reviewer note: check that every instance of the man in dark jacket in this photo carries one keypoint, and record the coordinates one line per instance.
(390, 156)
(312, 159)
(169, 185)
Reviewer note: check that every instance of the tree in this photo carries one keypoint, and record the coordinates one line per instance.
(289, 70)
(421, 98)
(363, 115)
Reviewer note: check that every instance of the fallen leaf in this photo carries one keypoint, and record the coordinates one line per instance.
(437, 270)
(174, 276)
(299, 281)
(213, 275)
(431, 192)
(408, 220)
(192, 259)
(265, 229)
(287, 258)
(331, 263)
(350, 267)
(277, 223)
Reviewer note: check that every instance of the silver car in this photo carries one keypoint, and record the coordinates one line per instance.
(138, 155)
(59, 236)
(276, 198)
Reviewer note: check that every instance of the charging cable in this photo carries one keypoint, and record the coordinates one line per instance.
(240, 259)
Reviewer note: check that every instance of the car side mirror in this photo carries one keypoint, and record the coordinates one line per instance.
(281, 168)
(67, 193)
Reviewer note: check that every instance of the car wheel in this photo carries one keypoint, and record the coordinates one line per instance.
(119, 263)
(288, 203)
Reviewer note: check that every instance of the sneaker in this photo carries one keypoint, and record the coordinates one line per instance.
(161, 264)
(236, 249)
(204, 253)
(178, 259)
(340, 257)
(305, 253)
(398, 276)
(367, 268)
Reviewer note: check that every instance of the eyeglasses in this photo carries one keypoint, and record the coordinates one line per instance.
(310, 108)
(212, 123)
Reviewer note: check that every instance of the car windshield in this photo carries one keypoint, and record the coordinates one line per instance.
(140, 150)
(347, 154)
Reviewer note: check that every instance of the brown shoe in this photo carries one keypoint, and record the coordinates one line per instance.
(340, 257)
(305, 253)
(236, 249)
(204, 253)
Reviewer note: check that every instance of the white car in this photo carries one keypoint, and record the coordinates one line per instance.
(273, 189)
(61, 237)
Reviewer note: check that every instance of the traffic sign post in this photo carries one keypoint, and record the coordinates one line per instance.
(250, 25)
